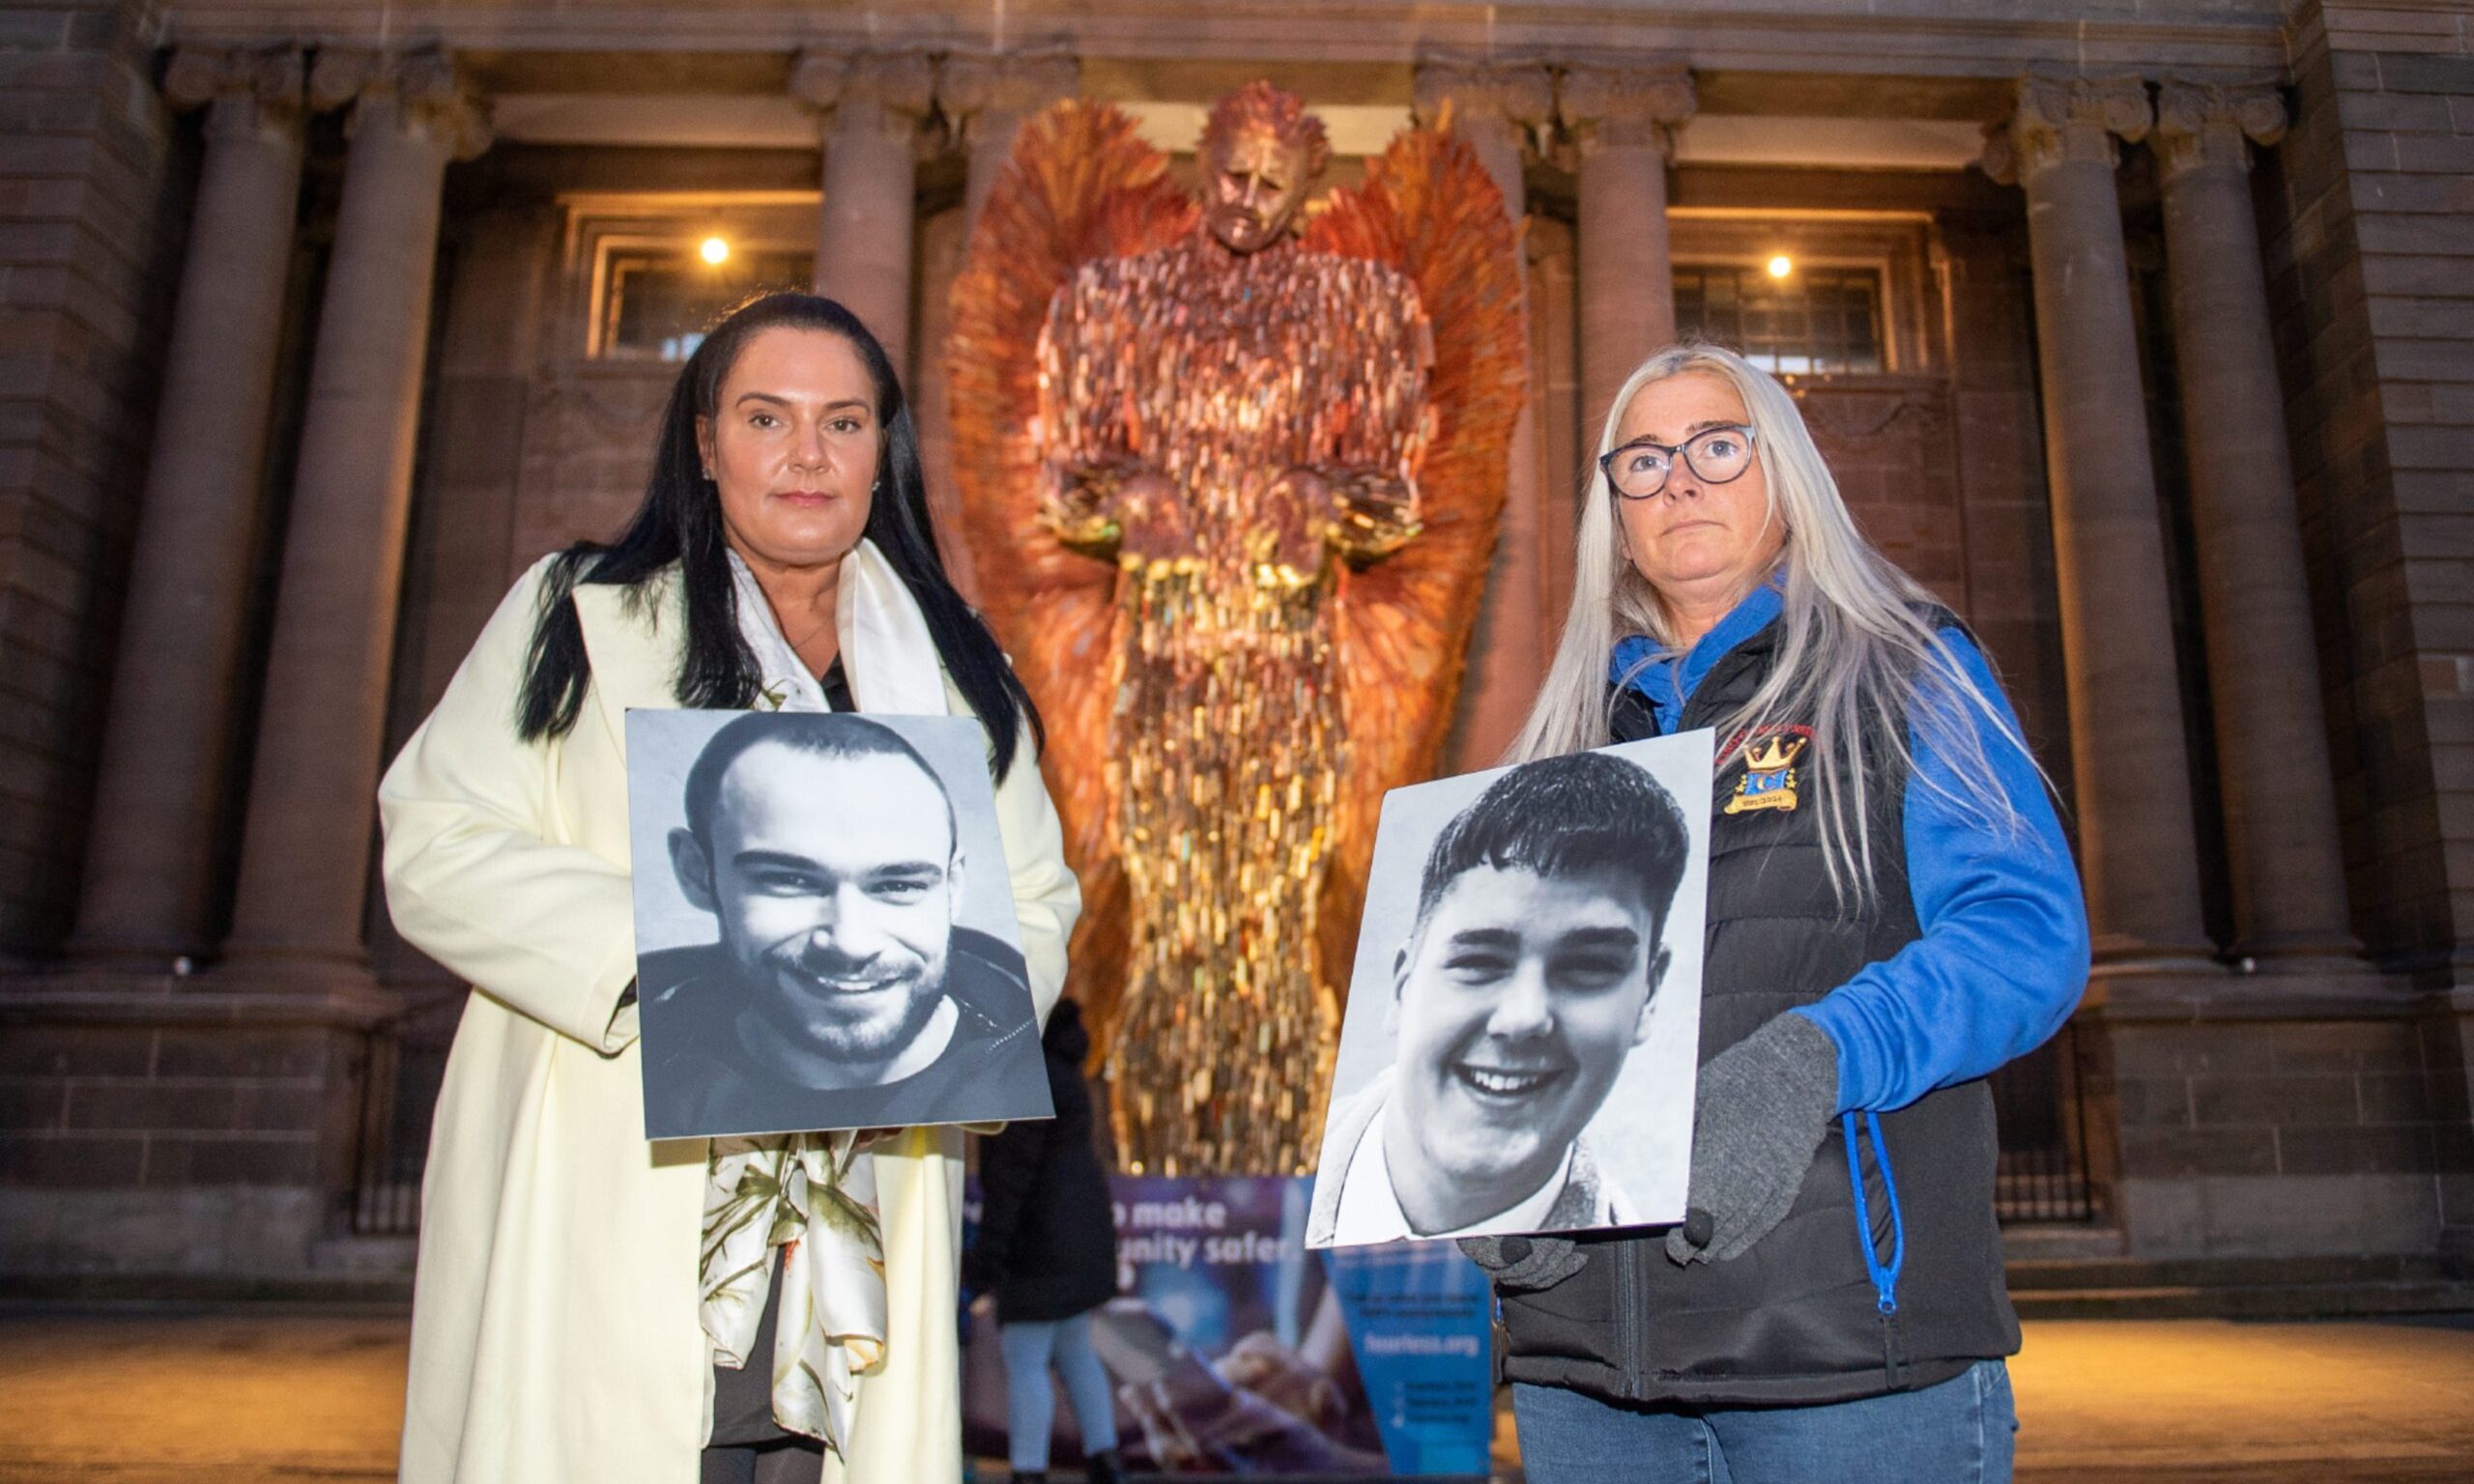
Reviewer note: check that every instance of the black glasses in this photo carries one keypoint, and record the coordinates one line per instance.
(1639, 468)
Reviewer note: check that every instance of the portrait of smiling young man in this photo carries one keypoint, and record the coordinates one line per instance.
(1520, 991)
(843, 989)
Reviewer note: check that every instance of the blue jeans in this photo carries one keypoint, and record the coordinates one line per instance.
(1030, 1402)
(1956, 1432)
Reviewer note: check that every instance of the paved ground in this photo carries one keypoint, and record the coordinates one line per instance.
(239, 1398)
(2213, 1401)
(205, 1398)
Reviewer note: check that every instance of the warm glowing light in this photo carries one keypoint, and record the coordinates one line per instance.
(715, 251)
(1781, 266)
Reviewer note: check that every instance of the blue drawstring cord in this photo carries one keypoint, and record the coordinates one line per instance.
(1885, 1276)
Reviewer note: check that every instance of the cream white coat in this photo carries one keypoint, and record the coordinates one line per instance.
(555, 1325)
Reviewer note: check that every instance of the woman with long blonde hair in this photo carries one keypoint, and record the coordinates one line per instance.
(1893, 914)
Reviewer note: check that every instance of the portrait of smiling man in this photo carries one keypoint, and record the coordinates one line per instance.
(1523, 985)
(844, 990)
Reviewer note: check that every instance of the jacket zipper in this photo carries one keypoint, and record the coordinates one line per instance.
(1629, 1316)
(1885, 1275)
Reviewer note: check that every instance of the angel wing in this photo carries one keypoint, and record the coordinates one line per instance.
(1428, 208)
(1080, 185)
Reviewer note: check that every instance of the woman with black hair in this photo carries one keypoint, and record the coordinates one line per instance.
(590, 1306)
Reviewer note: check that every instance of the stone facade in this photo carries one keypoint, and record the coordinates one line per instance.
(215, 625)
(90, 239)
(2371, 243)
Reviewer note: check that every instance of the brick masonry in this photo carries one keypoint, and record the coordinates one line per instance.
(2367, 225)
(109, 1127)
(89, 249)
(2273, 1137)
(2008, 517)
(153, 1107)
(2371, 243)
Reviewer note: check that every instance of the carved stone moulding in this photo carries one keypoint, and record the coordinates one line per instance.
(428, 93)
(971, 86)
(2066, 120)
(274, 77)
(2202, 124)
(1514, 97)
(1620, 104)
(858, 91)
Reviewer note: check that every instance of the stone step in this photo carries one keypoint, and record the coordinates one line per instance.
(2292, 1300)
(2093, 1272)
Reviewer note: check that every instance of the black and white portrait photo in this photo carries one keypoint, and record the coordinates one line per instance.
(824, 933)
(1518, 1049)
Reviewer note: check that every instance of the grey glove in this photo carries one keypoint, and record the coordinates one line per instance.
(1525, 1262)
(1758, 1114)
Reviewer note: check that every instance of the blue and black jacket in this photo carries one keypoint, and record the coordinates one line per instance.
(1886, 1273)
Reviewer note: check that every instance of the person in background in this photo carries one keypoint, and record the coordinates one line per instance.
(1047, 1255)
(1892, 915)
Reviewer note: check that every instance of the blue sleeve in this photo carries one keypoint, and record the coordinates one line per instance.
(2004, 955)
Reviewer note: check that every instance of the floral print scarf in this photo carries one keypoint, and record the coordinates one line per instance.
(813, 1196)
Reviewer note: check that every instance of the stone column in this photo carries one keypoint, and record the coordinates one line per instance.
(1623, 120)
(2264, 675)
(2137, 849)
(990, 97)
(1497, 108)
(304, 863)
(159, 791)
(869, 107)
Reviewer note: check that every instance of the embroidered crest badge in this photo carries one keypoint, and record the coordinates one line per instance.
(1769, 779)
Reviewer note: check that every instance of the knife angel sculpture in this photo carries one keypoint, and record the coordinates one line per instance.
(1230, 471)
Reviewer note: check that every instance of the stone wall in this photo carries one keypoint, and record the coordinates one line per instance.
(88, 242)
(2008, 517)
(2328, 1114)
(2372, 244)
(2390, 92)
(2270, 1137)
(209, 1141)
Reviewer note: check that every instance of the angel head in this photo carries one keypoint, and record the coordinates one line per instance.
(1262, 151)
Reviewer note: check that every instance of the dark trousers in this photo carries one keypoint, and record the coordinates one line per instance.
(748, 1447)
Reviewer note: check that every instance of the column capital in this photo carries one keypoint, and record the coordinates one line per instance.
(273, 78)
(2200, 124)
(972, 85)
(2065, 119)
(1634, 103)
(424, 85)
(1518, 94)
(893, 90)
